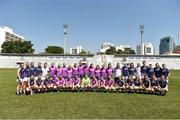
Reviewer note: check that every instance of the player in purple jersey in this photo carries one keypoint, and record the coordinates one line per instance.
(53, 81)
(59, 70)
(103, 72)
(27, 74)
(70, 71)
(61, 82)
(52, 70)
(76, 82)
(93, 82)
(32, 68)
(64, 71)
(91, 71)
(38, 71)
(75, 69)
(101, 83)
(46, 84)
(86, 70)
(109, 69)
(69, 83)
(80, 70)
(97, 72)
(20, 78)
(109, 83)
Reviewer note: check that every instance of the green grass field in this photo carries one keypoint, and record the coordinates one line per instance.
(89, 105)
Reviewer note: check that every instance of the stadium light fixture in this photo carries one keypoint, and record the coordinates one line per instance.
(65, 27)
(142, 31)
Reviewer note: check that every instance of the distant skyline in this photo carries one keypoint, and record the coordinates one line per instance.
(91, 22)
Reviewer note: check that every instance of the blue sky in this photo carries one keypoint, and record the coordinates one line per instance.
(91, 22)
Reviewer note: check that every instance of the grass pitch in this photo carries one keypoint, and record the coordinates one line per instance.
(89, 105)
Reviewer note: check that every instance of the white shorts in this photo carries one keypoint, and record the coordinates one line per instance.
(43, 78)
(35, 78)
(26, 79)
(20, 80)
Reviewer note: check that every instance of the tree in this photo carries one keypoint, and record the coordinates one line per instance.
(17, 47)
(54, 50)
(111, 51)
(83, 52)
(129, 51)
(119, 51)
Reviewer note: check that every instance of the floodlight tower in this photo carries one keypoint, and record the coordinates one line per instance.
(141, 45)
(65, 27)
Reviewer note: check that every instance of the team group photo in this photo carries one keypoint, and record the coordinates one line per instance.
(40, 78)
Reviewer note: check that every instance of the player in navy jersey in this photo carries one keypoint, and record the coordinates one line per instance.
(150, 71)
(32, 67)
(46, 84)
(39, 83)
(120, 84)
(32, 85)
(163, 85)
(157, 71)
(165, 72)
(154, 84)
(132, 70)
(144, 68)
(137, 84)
(146, 84)
(38, 71)
(130, 84)
(125, 71)
(27, 74)
(20, 78)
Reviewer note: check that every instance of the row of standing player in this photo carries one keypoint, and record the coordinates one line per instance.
(25, 72)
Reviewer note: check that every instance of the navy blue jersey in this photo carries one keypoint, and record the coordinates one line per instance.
(137, 82)
(38, 82)
(165, 72)
(32, 70)
(21, 73)
(146, 83)
(120, 83)
(46, 82)
(31, 82)
(38, 71)
(125, 71)
(27, 72)
(162, 83)
(157, 72)
(154, 83)
(132, 71)
(150, 72)
(144, 69)
(130, 82)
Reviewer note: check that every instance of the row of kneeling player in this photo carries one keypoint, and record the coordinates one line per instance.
(130, 84)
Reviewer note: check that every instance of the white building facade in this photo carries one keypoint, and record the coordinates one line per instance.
(76, 50)
(147, 49)
(7, 34)
(106, 46)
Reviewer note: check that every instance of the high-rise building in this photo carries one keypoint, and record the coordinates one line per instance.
(167, 45)
(76, 50)
(7, 34)
(106, 46)
(147, 49)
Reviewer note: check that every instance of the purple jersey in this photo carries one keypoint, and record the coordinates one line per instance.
(80, 70)
(75, 71)
(93, 82)
(76, 81)
(97, 72)
(64, 72)
(91, 72)
(54, 80)
(69, 81)
(52, 71)
(69, 72)
(109, 82)
(58, 71)
(103, 72)
(102, 82)
(86, 70)
(109, 71)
